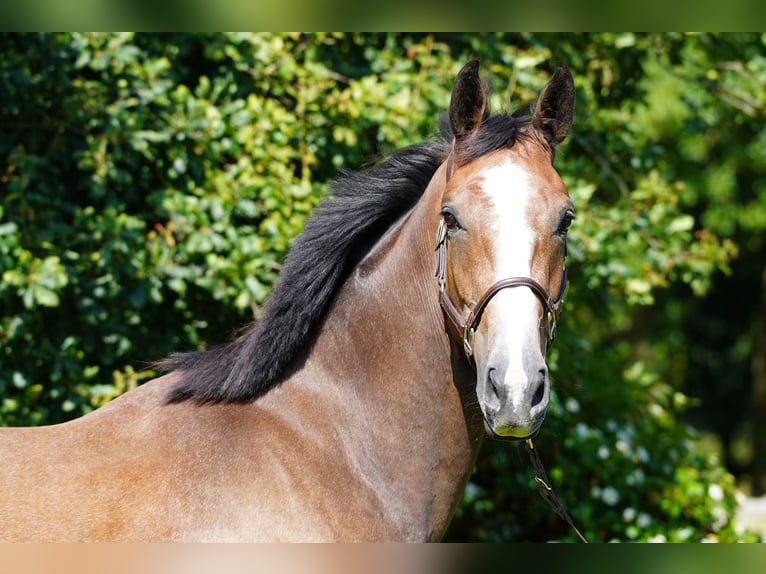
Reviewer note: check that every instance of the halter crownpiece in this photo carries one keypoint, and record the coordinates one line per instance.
(468, 326)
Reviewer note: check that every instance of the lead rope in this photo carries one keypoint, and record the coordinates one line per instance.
(546, 490)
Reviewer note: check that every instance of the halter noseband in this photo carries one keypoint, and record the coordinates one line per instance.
(468, 326)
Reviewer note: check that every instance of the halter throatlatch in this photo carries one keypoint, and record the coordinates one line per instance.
(467, 326)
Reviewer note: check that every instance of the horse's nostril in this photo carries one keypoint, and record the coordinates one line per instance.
(492, 383)
(539, 393)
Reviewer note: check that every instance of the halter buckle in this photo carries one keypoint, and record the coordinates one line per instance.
(441, 255)
(551, 327)
(468, 335)
(441, 233)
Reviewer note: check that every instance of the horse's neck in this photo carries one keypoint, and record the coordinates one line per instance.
(408, 394)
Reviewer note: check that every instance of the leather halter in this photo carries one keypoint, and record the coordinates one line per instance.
(468, 326)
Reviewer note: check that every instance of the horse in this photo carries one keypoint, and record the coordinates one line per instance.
(411, 318)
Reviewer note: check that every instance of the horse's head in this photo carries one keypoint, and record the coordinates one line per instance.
(505, 214)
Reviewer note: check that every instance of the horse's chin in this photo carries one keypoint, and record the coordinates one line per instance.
(511, 433)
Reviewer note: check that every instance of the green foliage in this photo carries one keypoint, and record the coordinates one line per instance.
(151, 185)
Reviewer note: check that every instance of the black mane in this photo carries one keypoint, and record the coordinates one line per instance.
(340, 232)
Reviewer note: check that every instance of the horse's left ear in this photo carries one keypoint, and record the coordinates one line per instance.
(554, 110)
(468, 106)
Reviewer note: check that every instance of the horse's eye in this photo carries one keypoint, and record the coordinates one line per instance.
(566, 221)
(449, 219)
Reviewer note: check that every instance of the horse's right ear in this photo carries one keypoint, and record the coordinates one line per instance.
(468, 106)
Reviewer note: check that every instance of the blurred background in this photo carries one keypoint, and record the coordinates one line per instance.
(151, 184)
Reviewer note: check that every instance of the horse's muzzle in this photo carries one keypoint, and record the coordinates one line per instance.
(513, 409)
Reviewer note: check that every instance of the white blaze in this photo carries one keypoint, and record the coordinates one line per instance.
(509, 189)
(514, 312)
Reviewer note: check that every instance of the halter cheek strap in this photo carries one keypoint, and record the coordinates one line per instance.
(467, 326)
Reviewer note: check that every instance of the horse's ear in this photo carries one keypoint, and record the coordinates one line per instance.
(554, 110)
(468, 106)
